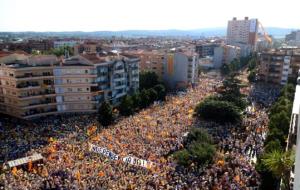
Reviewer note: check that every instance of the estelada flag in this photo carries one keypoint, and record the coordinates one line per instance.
(30, 165)
(101, 174)
(77, 175)
(14, 171)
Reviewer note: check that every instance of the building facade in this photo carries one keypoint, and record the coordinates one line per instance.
(293, 141)
(67, 43)
(225, 54)
(180, 70)
(206, 49)
(150, 61)
(293, 38)
(27, 87)
(243, 33)
(35, 86)
(279, 66)
(87, 47)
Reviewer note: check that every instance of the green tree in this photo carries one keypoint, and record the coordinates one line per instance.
(251, 76)
(280, 164)
(148, 80)
(231, 92)
(225, 69)
(61, 51)
(145, 99)
(234, 65)
(281, 121)
(218, 111)
(273, 145)
(105, 114)
(199, 149)
(161, 92)
(153, 96)
(198, 135)
(136, 100)
(201, 153)
(252, 64)
(182, 157)
(126, 106)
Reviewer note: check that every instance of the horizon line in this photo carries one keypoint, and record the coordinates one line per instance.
(122, 30)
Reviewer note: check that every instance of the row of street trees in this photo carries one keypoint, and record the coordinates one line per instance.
(236, 65)
(252, 70)
(225, 107)
(275, 163)
(56, 51)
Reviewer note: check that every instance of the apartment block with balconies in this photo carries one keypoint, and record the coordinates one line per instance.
(27, 86)
(279, 66)
(117, 76)
(74, 83)
(35, 86)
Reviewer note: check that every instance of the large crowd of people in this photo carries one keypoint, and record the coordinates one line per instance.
(152, 134)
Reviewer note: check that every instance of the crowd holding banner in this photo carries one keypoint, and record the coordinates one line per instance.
(135, 152)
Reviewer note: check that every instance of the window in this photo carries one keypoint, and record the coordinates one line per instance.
(87, 89)
(86, 71)
(70, 90)
(79, 89)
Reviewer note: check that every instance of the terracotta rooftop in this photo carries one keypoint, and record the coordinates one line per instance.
(7, 53)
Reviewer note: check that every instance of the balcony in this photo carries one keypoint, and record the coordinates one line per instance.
(36, 94)
(31, 76)
(28, 84)
(119, 86)
(39, 112)
(119, 79)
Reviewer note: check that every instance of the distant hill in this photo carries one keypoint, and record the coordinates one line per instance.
(206, 32)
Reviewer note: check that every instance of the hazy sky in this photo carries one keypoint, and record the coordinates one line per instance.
(95, 15)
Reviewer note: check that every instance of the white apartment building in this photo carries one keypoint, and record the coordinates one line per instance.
(243, 33)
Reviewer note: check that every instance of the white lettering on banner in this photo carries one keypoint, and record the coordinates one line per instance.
(128, 159)
(138, 162)
(104, 152)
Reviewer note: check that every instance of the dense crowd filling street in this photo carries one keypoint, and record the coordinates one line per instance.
(151, 134)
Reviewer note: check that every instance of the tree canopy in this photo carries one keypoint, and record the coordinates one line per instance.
(105, 113)
(148, 79)
(218, 111)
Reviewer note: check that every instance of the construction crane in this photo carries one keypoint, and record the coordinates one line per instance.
(266, 36)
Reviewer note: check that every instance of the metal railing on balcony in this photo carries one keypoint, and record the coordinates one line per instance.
(37, 94)
(28, 84)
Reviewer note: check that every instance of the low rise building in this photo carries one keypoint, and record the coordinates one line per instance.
(87, 47)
